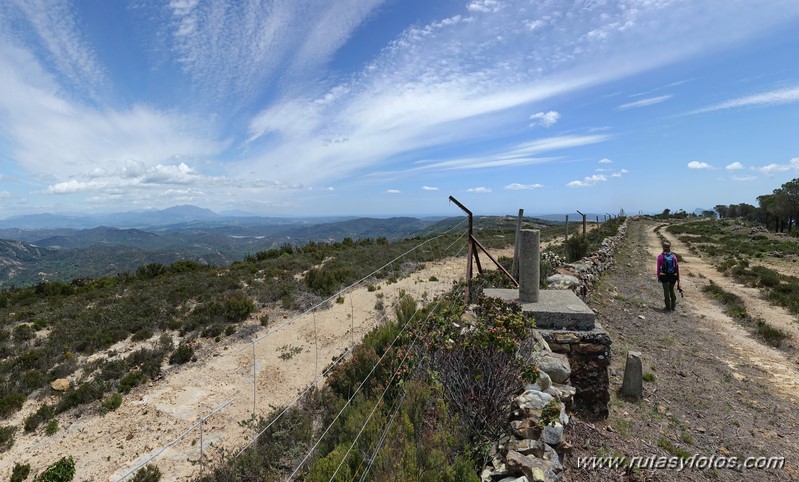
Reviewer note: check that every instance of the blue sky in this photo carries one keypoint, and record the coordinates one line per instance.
(383, 107)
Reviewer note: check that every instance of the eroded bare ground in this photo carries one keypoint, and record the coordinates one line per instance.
(717, 389)
(152, 416)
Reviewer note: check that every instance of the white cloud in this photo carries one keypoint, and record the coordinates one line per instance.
(485, 6)
(545, 119)
(699, 165)
(522, 187)
(645, 102)
(234, 50)
(5, 194)
(588, 181)
(734, 166)
(774, 97)
(429, 88)
(429, 188)
(605, 161)
(56, 28)
(743, 178)
(481, 190)
(393, 191)
(773, 168)
(520, 154)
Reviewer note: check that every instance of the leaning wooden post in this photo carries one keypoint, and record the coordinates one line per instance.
(514, 271)
(583, 215)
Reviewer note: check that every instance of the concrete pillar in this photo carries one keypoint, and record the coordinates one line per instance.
(633, 385)
(529, 265)
(514, 271)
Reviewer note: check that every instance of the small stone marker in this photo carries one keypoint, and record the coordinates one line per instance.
(633, 385)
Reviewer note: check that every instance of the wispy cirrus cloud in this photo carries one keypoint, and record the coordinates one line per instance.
(56, 31)
(233, 50)
(429, 188)
(520, 154)
(393, 191)
(734, 166)
(787, 95)
(644, 102)
(479, 190)
(431, 86)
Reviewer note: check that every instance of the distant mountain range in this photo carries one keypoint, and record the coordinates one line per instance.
(46, 246)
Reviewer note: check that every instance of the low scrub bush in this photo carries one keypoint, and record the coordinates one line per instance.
(7, 437)
(41, 415)
(113, 402)
(20, 472)
(61, 471)
(148, 473)
(182, 354)
(771, 335)
(10, 403)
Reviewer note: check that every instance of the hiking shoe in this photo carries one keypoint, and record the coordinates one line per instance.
(673, 306)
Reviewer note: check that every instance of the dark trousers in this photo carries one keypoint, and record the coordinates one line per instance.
(669, 296)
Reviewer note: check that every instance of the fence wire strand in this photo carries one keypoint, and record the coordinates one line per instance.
(383, 317)
(427, 244)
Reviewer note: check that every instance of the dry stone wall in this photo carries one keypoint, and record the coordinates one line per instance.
(581, 275)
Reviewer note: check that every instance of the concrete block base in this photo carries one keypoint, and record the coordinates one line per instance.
(555, 309)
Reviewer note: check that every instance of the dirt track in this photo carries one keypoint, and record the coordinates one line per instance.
(717, 390)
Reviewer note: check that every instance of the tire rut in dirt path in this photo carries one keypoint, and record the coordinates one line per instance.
(782, 364)
(707, 398)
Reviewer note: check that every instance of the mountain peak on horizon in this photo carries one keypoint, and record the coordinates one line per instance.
(189, 210)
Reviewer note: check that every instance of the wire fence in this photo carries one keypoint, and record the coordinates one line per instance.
(189, 454)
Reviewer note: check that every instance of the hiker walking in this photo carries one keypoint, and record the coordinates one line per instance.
(668, 275)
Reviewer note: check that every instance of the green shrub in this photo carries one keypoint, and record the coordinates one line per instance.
(142, 334)
(10, 403)
(576, 248)
(129, 381)
(181, 355)
(42, 414)
(7, 437)
(149, 473)
(20, 472)
(61, 471)
(23, 333)
(85, 393)
(52, 427)
(113, 402)
(771, 335)
(264, 319)
(405, 308)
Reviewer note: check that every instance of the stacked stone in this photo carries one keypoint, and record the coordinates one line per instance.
(581, 275)
(589, 355)
(533, 450)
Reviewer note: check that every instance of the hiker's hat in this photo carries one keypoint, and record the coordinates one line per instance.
(666, 244)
